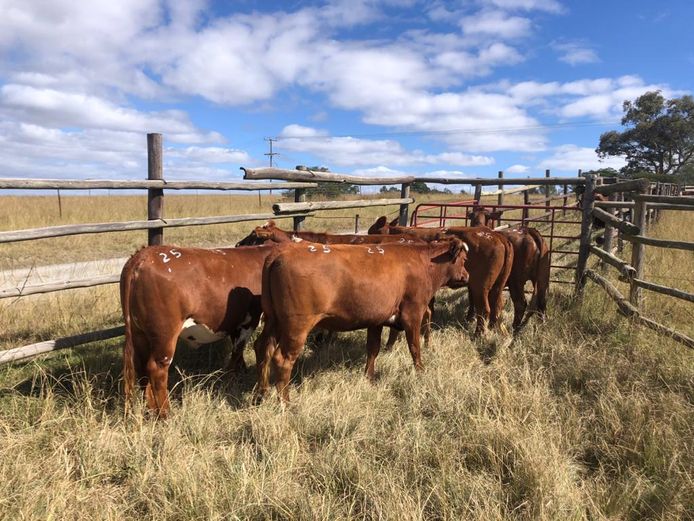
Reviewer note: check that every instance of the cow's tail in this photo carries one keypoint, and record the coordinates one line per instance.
(508, 261)
(126, 283)
(268, 337)
(543, 271)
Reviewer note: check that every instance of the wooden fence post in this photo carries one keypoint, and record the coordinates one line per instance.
(478, 193)
(638, 249)
(586, 229)
(548, 188)
(566, 199)
(526, 202)
(610, 230)
(500, 197)
(155, 196)
(299, 197)
(356, 223)
(404, 208)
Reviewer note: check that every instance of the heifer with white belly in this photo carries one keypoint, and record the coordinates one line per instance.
(344, 288)
(196, 294)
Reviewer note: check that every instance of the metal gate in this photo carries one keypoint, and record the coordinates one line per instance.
(559, 224)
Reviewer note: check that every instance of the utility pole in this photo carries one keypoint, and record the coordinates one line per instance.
(271, 154)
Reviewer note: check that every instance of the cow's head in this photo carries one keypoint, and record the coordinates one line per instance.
(454, 257)
(380, 226)
(259, 235)
(480, 216)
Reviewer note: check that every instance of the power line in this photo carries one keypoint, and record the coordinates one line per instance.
(455, 131)
(272, 154)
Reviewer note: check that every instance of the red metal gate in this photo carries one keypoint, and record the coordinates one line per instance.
(555, 224)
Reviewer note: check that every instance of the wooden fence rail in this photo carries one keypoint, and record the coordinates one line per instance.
(283, 208)
(58, 286)
(21, 353)
(83, 229)
(62, 184)
(301, 180)
(629, 310)
(646, 206)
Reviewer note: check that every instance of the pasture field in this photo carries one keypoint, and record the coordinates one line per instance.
(17, 213)
(585, 416)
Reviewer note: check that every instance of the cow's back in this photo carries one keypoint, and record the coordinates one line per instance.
(489, 252)
(348, 286)
(209, 285)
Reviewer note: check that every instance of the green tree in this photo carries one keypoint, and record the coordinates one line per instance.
(420, 187)
(659, 137)
(331, 190)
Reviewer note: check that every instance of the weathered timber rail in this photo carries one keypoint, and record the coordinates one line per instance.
(646, 207)
(301, 180)
(83, 229)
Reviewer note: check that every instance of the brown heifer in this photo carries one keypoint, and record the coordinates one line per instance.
(381, 226)
(344, 288)
(531, 262)
(196, 294)
(270, 232)
(488, 262)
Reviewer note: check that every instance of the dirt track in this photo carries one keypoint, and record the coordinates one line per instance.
(60, 272)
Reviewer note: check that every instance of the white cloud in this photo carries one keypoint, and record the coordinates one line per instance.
(447, 173)
(497, 24)
(50, 107)
(551, 6)
(517, 169)
(571, 158)
(299, 131)
(575, 53)
(212, 155)
(76, 68)
(599, 98)
(347, 150)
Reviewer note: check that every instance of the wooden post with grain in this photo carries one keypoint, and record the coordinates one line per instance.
(638, 249)
(404, 208)
(586, 231)
(155, 196)
(299, 197)
(500, 197)
(526, 202)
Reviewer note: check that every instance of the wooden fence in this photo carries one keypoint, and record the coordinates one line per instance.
(298, 181)
(648, 200)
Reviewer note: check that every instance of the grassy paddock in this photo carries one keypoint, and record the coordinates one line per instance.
(17, 213)
(583, 417)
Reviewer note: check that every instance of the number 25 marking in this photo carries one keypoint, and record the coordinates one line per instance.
(165, 258)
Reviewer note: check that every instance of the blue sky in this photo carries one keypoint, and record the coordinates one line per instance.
(462, 88)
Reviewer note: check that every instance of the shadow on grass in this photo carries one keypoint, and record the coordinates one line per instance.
(100, 364)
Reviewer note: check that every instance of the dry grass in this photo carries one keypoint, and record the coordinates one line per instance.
(17, 213)
(583, 417)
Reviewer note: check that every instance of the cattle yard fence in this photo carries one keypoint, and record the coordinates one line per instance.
(646, 201)
(299, 181)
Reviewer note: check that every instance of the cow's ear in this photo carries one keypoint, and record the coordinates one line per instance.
(394, 222)
(457, 247)
(496, 215)
(380, 222)
(270, 224)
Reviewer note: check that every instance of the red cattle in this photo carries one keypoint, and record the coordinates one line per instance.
(531, 262)
(488, 262)
(270, 232)
(196, 294)
(343, 288)
(381, 226)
